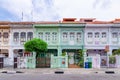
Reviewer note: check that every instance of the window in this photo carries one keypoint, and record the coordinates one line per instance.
(54, 36)
(104, 35)
(97, 35)
(65, 35)
(16, 37)
(23, 37)
(5, 36)
(72, 35)
(90, 35)
(0, 34)
(29, 35)
(47, 36)
(40, 35)
(114, 35)
(78, 36)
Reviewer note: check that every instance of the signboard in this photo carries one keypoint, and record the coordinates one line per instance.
(107, 48)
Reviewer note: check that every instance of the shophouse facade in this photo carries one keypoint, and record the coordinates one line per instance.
(13, 35)
(64, 36)
(71, 39)
(5, 42)
(96, 39)
(68, 35)
(101, 39)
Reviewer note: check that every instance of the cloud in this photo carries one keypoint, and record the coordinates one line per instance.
(51, 10)
(102, 4)
(102, 10)
(32, 10)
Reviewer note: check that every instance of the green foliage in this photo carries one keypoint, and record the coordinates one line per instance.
(81, 58)
(63, 54)
(112, 59)
(116, 52)
(35, 45)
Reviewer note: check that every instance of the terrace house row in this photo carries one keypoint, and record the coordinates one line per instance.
(69, 35)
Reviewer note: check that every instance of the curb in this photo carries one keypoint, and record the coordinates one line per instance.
(11, 72)
(59, 72)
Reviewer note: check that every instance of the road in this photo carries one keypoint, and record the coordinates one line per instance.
(37, 76)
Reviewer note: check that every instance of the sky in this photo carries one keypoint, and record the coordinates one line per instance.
(55, 10)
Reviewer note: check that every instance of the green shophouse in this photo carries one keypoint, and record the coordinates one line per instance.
(71, 39)
(66, 36)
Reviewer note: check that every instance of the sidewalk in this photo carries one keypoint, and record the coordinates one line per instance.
(65, 70)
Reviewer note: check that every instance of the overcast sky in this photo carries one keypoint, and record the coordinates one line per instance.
(54, 10)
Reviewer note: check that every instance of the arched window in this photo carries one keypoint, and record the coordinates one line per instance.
(40, 35)
(0, 34)
(22, 37)
(16, 36)
(54, 36)
(72, 35)
(65, 35)
(114, 35)
(29, 35)
(97, 35)
(5, 37)
(90, 35)
(47, 36)
(104, 35)
(78, 36)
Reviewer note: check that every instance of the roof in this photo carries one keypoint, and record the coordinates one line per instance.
(4, 22)
(47, 22)
(64, 21)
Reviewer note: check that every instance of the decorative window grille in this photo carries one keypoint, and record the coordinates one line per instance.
(79, 36)
(16, 37)
(90, 35)
(40, 35)
(5, 37)
(29, 35)
(72, 35)
(47, 36)
(104, 35)
(65, 36)
(114, 35)
(54, 36)
(97, 35)
(23, 37)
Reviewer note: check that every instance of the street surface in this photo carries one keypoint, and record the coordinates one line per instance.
(38, 76)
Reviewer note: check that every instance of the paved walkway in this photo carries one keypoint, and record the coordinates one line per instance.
(65, 70)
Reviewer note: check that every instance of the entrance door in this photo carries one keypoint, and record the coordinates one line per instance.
(15, 62)
(1, 62)
(71, 58)
(43, 61)
(103, 61)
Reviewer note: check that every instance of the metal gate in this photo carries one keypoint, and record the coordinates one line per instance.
(104, 60)
(112, 61)
(15, 62)
(43, 61)
(1, 62)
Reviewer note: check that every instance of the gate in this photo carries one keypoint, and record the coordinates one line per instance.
(104, 60)
(1, 62)
(112, 61)
(59, 61)
(43, 61)
(15, 62)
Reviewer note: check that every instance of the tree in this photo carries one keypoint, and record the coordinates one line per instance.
(81, 58)
(36, 45)
(116, 52)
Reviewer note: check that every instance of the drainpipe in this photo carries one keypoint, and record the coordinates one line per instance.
(59, 40)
